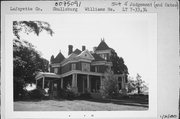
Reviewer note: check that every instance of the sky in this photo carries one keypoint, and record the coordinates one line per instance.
(127, 34)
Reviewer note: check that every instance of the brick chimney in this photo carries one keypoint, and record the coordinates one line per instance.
(83, 48)
(70, 50)
(52, 59)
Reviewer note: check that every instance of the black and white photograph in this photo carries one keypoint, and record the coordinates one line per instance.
(90, 59)
(82, 63)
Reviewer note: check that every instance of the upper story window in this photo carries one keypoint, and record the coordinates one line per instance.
(56, 70)
(73, 66)
(85, 67)
(104, 56)
(96, 69)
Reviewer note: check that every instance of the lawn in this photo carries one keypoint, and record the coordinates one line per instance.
(78, 105)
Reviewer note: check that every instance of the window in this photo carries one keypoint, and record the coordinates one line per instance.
(96, 69)
(56, 70)
(73, 66)
(85, 67)
(104, 56)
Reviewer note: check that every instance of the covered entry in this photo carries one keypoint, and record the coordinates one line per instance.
(50, 82)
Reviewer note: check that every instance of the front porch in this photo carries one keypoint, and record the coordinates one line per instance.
(76, 82)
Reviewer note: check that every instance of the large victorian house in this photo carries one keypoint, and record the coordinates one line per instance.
(83, 70)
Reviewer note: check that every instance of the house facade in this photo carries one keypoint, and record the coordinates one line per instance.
(82, 71)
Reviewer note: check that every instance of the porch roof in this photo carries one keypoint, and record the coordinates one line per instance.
(46, 74)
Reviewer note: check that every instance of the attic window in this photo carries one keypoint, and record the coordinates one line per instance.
(85, 55)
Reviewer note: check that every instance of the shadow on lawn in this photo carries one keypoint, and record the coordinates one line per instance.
(121, 102)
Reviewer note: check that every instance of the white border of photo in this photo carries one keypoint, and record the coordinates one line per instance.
(152, 47)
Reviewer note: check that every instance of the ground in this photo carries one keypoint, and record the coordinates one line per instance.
(78, 105)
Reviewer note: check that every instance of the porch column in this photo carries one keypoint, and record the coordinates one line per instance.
(101, 83)
(74, 83)
(117, 78)
(123, 82)
(88, 84)
(61, 83)
(43, 82)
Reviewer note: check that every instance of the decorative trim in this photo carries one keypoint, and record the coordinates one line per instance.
(86, 51)
(77, 60)
(101, 63)
(103, 51)
(44, 74)
(81, 72)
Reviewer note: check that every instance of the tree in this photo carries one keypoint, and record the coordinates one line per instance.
(110, 87)
(31, 27)
(139, 83)
(131, 85)
(118, 64)
(26, 60)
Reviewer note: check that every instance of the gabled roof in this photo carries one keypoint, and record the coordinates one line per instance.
(97, 57)
(59, 58)
(46, 74)
(86, 55)
(103, 46)
(77, 51)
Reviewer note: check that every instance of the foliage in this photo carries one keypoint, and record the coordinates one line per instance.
(18, 88)
(31, 26)
(141, 98)
(110, 87)
(137, 84)
(85, 96)
(131, 85)
(119, 66)
(66, 94)
(37, 94)
(26, 60)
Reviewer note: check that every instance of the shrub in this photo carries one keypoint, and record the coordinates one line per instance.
(115, 95)
(70, 95)
(110, 87)
(18, 88)
(85, 96)
(62, 93)
(37, 94)
(66, 94)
